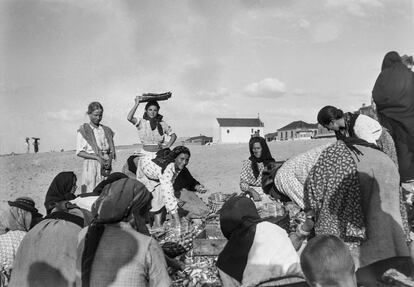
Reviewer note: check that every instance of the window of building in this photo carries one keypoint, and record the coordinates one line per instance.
(291, 134)
(252, 131)
(228, 131)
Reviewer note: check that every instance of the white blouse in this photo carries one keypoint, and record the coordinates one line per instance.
(152, 137)
(101, 141)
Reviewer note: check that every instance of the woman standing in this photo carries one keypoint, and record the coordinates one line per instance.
(95, 145)
(152, 130)
(251, 174)
(350, 125)
(393, 95)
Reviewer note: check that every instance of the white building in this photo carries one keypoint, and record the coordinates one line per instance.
(238, 130)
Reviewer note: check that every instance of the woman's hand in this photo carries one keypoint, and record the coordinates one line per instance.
(138, 99)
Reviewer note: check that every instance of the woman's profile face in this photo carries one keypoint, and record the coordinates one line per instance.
(335, 125)
(182, 160)
(152, 111)
(257, 150)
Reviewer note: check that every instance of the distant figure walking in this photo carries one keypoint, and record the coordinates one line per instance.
(36, 144)
(27, 145)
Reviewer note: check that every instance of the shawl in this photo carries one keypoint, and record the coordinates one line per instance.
(393, 95)
(132, 167)
(332, 191)
(238, 220)
(123, 200)
(265, 157)
(62, 215)
(155, 122)
(87, 133)
(60, 189)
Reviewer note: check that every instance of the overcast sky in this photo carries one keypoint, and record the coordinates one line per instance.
(282, 59)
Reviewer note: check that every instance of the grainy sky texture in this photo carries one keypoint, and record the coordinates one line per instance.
(284, 59)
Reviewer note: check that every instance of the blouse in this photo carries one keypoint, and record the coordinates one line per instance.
(247, 177)
(367, 128)
(148, 136)
(101, 141)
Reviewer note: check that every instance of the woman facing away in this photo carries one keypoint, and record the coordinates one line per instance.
(257, 251)
(15, 222)
(360, 126)
(95, 144)
(160, 175)
(252, 169)
(393, 95)
(47, 254)
(152, 130)
(116, 249)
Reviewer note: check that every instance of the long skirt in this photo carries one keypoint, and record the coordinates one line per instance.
(91, 175)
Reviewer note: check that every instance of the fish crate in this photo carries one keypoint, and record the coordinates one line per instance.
(210, 242)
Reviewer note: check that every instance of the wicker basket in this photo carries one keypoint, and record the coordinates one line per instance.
(216, 201)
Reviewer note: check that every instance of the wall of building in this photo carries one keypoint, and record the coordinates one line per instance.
(238, 134)
(296, 134)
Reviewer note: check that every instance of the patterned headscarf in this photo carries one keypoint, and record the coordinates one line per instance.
(15, 219)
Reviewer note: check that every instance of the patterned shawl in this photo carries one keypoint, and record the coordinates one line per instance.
(332, 191)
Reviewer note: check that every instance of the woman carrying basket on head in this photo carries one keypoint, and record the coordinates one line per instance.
(152, 130)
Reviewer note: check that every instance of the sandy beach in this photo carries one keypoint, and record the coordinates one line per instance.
(216, 166)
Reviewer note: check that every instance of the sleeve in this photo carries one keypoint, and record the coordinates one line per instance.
(157, 267)
(245, 176)
(81, 144)
(166, 181)
(368, 129)
(166, 128)
(190, 181)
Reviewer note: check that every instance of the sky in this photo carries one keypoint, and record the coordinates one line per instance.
(280, 59)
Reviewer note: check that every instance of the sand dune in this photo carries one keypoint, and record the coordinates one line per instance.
(216, 166)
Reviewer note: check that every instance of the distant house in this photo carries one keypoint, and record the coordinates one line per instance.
(297, 130)
(238, 130)
(201, 140)
(323, 133)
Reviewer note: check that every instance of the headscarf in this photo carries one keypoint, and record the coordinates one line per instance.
(60, 189)
(110, 179)
(166, 156)
(265, 157)
(390, 59)
(123, 200)
(238, 220)
(155, 122)
(15, 219)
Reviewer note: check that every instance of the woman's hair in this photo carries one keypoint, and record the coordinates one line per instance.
(94, 106)
(329, 113)
(152, 103)
(166, 156)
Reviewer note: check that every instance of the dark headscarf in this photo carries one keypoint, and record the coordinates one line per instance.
(60, 189)
(166, 156)
(155, 122)
(123, 200)
(390, 59)
(265, 157)
(238, 220)
(110, 179)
